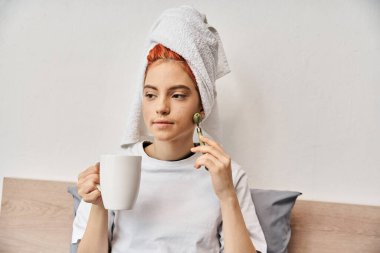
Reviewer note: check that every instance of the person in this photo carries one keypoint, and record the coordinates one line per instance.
(181, 206)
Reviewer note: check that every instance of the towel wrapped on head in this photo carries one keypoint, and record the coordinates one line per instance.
(185, 31)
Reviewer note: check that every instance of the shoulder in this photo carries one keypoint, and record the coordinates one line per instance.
(238, 173)
(235, 166)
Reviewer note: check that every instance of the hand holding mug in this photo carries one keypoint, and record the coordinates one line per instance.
(113, 183)
(87, 185)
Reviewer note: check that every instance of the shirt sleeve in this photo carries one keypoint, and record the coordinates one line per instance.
(81, 219)
(248, 211)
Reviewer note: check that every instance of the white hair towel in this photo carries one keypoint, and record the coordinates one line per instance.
(185, 31)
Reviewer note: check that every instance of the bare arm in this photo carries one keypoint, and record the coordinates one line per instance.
(236, 236)
(95, 238)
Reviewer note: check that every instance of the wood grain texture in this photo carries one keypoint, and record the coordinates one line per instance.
(331, 227)
(36, 216)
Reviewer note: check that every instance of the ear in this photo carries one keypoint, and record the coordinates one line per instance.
(203, 114)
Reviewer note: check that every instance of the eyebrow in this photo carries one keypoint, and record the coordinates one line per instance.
(175, 87)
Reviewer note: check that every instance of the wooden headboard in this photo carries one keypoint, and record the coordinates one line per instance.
(334, 228)
(37, 215)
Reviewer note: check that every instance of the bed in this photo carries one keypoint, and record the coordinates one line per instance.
(37, 215)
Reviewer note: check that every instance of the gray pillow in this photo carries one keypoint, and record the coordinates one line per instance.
(73, 191)
(273, 208)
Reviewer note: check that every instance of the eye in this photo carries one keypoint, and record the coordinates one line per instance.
(149, 95)
(180, 96)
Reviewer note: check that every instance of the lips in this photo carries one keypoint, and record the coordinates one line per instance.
(162, 122)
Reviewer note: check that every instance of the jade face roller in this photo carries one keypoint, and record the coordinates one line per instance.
(197, 118)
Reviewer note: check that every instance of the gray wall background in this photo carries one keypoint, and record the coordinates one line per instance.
(300, 108)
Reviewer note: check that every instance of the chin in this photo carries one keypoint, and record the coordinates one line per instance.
(174, 139)
(163, 136)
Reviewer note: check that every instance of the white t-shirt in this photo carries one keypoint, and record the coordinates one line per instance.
(176, 210)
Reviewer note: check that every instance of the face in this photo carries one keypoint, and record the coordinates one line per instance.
(170, 95)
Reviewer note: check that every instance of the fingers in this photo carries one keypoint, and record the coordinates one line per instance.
(212, 143)
(91, 170)
(87, 184)
(209, 161)
(213, 149)
(214, 158)
(92, 197)
(89, 178)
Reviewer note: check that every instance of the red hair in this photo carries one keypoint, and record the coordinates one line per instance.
(160, 52)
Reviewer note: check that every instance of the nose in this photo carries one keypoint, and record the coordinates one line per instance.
(163, 107)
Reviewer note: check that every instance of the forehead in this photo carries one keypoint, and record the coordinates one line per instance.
(168, 75)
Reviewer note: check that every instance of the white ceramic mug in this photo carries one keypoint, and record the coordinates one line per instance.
(119, 180)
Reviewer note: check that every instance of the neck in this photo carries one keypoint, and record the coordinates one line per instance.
(169, 150)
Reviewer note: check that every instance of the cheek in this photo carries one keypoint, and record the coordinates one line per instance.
(145, 111)
(186, 113)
